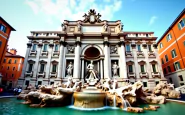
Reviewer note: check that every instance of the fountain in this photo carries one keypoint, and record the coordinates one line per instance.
(96, 94)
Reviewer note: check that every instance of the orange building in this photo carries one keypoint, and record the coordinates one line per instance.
(5, 30)
(171, 48)
(11, 68)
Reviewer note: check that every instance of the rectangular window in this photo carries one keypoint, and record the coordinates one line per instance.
(142, 68)
(181, 24)
(139, 47)
(30, 67)
(12, 75)
(4, 61)
(164, 70)
(127, 47)
(39, 83)
(51, 83)
(146, 35)
(149, 48)
(156, 82)
(10, 61)
(177, 66)
(173, 53)
(42, 68)
(145, 84)
(54, 68)
(168, 37)
(45, 47)
(154, 68)
(15, 61)
(27, 82)
(180, 77)
(166, 57)
(8, 68)
(169, 69)
(170, 79)
(0, 43)
(162, 60)
(130, 69)
(34, 47)
(3, 28)
(13, 68)
(56, 47)
(161, 45)
(136, 35)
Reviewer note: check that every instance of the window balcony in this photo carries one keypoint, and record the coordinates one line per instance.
(53, 74)
(156, 75)
(41, 74)
(131, 75)
(44, 53)
(151, 54)
(29, 74)
(143, 75)
(33, 52)
(56, 53)
(140, 54)
(128, 53)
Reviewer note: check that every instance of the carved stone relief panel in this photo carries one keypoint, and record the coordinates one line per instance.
(113, 49)
(70, 49)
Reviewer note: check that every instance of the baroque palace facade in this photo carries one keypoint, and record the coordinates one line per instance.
(53, 56)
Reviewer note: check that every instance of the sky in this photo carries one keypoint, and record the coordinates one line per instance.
(47, 15)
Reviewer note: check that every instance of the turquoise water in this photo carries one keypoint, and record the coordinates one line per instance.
(11, 106)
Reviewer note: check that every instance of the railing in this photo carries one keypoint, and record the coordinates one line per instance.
(33, 52)
(156, 75)
(44, 53)
(53, 74)
(41, 74)
(151, 54)
(131, 75)
(140, 53)
(143, 75)
(128, 53)
(56, 53)
(29, 74)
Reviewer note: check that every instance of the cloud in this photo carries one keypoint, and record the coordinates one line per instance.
(74, 9)
(152, 20)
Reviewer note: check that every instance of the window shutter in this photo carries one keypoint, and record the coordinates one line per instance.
(4, 29)
(179, 65)
(167, 38)
(172, 54)
(179, 26)
(170, 36)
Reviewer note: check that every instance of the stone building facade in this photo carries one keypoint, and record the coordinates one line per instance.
(53, 56)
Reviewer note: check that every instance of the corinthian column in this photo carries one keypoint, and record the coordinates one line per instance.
(60, 65)
(76, 73)
(122, 59)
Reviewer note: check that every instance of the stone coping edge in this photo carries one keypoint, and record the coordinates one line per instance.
(176, 101)
(7, 96)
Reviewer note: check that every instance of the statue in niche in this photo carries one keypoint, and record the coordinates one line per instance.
(105, 26)
(70, 49)
(91, 76)
(64, 26)
(79, 26)
(69, 69)
(120, 26)
(114, 50)
(115, 69)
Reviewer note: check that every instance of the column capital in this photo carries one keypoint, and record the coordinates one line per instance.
(121, 43)
(40, 44)
(63, 43)
(51, 45)
(78, 43)
(106, 43)
(29, 45)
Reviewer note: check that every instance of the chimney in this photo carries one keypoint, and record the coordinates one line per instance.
(13, 51)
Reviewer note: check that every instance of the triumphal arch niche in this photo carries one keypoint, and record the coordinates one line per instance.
(94, 49)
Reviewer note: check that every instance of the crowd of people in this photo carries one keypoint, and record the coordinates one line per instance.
(17, 90)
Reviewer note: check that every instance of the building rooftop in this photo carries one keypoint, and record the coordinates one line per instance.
(7, 24)
(175, 21)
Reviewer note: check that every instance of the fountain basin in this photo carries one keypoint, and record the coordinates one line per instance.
(89, 99)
